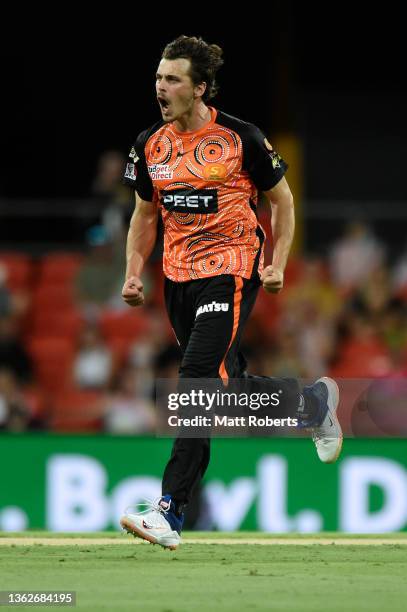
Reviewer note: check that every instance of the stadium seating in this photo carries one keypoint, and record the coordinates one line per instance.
(65, 322)
(128, 324)
(59, 268)
(53, 358)
(19, 270)
(77, 411)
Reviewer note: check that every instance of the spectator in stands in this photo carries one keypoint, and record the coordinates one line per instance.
(14, 413)
(316, 340)
(355, 256)
(375, 291)
(310, 308)
(5, 297)
(284, 360)
(98, 280)
(154, 339)
(362, 352)
(393, 328)
(117, 199)
(399, 277)
(313, 288)
(13, 355)
(127, 409)
(93, 365)
(14, 302)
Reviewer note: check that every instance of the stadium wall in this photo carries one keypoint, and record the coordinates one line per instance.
(83, 483)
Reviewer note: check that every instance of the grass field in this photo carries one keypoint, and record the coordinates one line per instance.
(218, 572)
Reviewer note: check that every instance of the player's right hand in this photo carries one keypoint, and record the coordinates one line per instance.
(272, 279)
(132, 292)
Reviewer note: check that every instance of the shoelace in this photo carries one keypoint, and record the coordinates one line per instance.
(318, 436)
(152, 504)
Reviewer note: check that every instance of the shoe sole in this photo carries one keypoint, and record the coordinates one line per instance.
(333, 401)
(137, 533)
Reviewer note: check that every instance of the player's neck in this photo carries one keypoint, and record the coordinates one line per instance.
(199, 116)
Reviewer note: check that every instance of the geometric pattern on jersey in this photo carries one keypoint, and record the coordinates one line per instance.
(206, 184)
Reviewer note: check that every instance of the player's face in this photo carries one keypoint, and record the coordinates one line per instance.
(175, 90)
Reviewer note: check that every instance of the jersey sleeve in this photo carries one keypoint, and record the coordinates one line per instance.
(136, 173)
(264, 165)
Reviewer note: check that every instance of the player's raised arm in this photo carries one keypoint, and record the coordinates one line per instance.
(140, 243)
(282, 224)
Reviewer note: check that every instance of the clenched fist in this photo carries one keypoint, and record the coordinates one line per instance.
(133, 291)
(272, 279)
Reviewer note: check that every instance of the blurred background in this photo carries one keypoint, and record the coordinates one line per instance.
(77, 366)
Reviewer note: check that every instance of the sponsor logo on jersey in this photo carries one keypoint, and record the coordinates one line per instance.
(212, 307)
(199, 201)
(275, 159)
(131, 172)
(133, 155)
(160, 172)
(215, 172)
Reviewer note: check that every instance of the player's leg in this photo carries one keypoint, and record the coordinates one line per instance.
(235, 364)
(204, 316)
(314, 407)
(214, 304)
(162, 522)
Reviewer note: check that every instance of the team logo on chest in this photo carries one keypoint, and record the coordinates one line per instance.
(215, 172)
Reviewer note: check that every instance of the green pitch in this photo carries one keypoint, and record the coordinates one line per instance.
(369, 573)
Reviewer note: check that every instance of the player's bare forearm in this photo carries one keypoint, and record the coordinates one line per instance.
(140, 242)
(282, 224)
(141, 237)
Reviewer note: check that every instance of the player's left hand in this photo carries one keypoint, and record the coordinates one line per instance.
(133, 291)
(272, 279)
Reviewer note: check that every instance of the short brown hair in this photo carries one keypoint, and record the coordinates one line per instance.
(205, 61)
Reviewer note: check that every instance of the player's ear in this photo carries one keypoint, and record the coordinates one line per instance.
(199, 90)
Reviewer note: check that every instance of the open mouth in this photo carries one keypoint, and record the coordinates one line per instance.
(163, 103)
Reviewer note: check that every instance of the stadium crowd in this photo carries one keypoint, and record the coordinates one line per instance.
(75, 357)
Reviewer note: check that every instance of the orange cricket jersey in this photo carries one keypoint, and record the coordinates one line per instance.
(206, 183)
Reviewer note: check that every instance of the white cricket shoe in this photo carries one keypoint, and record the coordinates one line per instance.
(158, 524)
(328, 435)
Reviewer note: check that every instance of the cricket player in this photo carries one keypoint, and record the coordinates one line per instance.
(202, 170)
